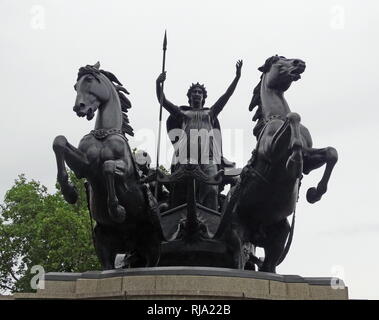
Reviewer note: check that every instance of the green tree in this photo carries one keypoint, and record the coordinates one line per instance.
(38, 228)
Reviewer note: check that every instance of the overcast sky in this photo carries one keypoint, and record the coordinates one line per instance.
(43, 43)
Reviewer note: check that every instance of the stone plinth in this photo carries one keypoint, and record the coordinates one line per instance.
(185, 283)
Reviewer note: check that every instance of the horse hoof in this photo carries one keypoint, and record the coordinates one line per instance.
(267, 269)
(70, 194)
(129, 261)
(312, 195)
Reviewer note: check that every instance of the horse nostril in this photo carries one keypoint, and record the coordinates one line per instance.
(79, 106)
(296, 62)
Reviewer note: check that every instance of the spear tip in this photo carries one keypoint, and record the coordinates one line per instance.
(165, 40)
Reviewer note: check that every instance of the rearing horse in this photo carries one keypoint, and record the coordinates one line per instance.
(267, 192)
(120, 204)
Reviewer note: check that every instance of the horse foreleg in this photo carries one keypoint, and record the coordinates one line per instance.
(275, 138)
(75, 159)
(294, 163)
(314, 159)
(287, 136)
(111, 168)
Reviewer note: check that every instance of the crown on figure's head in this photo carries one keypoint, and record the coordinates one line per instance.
(197, 85)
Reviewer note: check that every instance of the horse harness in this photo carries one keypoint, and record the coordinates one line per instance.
(101, 134)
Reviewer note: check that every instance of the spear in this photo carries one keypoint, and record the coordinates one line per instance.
(160, 111)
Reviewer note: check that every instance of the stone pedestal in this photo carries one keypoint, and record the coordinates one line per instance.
(184, 283)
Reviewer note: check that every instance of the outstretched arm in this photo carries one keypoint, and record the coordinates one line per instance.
(221, 102)
(170, 107)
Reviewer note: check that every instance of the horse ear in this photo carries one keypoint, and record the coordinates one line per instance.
(97, 65)
(256, 99)
(267, 65)
(261, 68)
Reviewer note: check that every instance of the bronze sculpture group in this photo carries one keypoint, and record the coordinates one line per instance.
(195, 225)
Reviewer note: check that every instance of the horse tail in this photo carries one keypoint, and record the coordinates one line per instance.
(289, 241)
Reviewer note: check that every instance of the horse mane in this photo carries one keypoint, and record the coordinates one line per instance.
(125, 102)
(256, 99)
(121, 91)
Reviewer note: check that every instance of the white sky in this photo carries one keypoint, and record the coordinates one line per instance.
(43, 43)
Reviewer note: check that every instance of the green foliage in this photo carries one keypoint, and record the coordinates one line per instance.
(38, 228)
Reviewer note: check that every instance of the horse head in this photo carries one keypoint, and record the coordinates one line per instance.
(92, 91)
(279, 72)
(99, 88)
